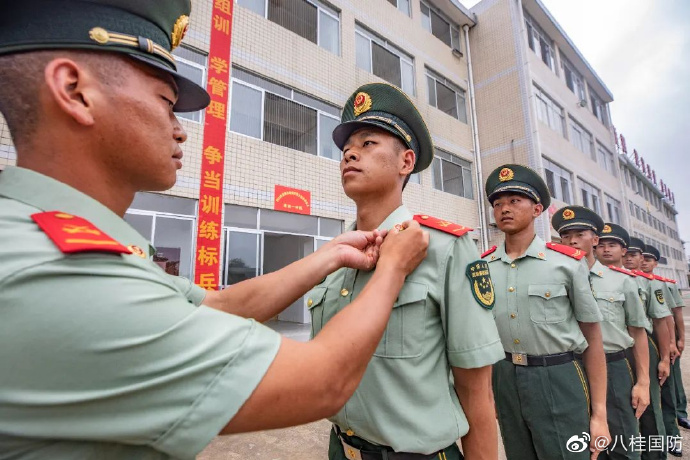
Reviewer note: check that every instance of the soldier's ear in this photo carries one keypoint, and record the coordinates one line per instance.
(409, 159)
(595, 240)
(70, 87)
(538, 209)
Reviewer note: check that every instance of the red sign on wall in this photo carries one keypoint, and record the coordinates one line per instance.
(210, 219)
(292, 200)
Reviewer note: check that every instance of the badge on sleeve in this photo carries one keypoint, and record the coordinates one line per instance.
(659, 296)
(480, 281)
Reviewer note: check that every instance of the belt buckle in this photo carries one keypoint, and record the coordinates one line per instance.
(351, 453)
(519, 359)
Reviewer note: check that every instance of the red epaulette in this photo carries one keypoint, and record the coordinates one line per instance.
(622, 270)
(659, 278)
(442, 225)
(643, 274)
(74, 234)
(491, 250)
(576, 254)
(671, 281)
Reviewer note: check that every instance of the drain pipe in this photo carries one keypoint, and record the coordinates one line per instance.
(481, 207)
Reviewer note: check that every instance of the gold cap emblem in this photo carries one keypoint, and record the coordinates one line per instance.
(362, 103)
(179, 29)
(506, 174)
(99, 35)
(568, 214)
(607, 229)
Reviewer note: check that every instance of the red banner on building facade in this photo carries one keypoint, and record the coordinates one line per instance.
(210, 218)
(292, 200)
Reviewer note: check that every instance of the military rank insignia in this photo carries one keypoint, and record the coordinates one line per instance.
(659, 296)
(480, 282)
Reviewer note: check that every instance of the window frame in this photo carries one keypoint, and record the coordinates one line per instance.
(403, 56)
(456, 89)
(536, 38)
(204, 78)
(574, 127)
(453, 27)
(456, 160)
(558, 174)
(407, 13)
(551, 109)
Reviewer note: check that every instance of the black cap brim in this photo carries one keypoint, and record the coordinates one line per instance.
(190, 96)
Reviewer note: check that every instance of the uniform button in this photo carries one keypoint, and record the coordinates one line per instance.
(350, 433)
(512, 265)
(513, 315)
(547, 294)
(62, 215)
(425, 217)
(344, 292)
(516, 341)
(310, 302)
(611, 299)
(511, 289)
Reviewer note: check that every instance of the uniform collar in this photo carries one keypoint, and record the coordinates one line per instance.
(536, 250)
(597, 269)
(401, 214)
(47, 194)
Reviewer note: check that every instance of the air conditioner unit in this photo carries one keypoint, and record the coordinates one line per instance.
(457, 52)
(582, 103)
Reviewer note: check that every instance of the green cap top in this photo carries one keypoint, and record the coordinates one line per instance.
(651, 251)
(145, 30)
(577, 218)
(387, 107)
(615, 232)
(519, 179)
(636, 244)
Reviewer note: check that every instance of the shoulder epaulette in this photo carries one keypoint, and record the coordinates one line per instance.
(643, 274)
(576, 254)
(622, 270)
(671, 281)
(490, 251)
(442, 225)
(659, 278)
(74, 234)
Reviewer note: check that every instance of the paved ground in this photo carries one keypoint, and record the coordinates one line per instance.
(310, 442)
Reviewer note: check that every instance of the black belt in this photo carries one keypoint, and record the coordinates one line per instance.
(616, 356)
(522, 359)
(369, 451)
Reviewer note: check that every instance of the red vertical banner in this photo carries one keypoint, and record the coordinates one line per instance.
(210, 219)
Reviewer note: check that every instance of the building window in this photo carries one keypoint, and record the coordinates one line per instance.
(446, 96)
(574, 80)
(591, 197)
(548, 112)
(451, 174)
(581, 138)
(310, 19)
(606, 159)
(402, 5)
(599, 108)
(282, 116)
(191, 64)
(383, 59)
(540, 43)
(638, 211)
(441, 27)
(613, 207)
(558, 180)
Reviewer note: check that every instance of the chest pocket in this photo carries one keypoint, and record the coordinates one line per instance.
(548, 303)
(315, 300)
(404, 335)
(611, 305)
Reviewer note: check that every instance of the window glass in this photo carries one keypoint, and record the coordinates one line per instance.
(241, 251)
(173, 242)
(246, 110)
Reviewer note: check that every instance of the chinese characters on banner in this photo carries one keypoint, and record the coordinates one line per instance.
(292, 200)
(210, 223)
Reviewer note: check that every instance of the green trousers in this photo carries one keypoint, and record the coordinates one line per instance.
(681, 400)
(652, 421)
(619, 411)
(336, 451)
(669, 403)
(542, 410)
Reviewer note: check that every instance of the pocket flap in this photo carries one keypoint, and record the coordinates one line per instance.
(316, 296)
(411, 292)
(610, 296)
(547, 291)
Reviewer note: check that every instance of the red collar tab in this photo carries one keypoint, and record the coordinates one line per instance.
(491, 250)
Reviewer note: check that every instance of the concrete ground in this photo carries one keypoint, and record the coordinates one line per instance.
(310, 442)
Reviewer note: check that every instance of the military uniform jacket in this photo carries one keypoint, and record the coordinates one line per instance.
(103, 354)
(653, 308)
(540, 297)
(405, 399)
(675, 293)
(662, 293)
(620, 305)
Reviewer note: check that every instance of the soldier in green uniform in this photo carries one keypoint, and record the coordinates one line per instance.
(548, 321)
(428, 383)
(623, 327)
(652, 421)
(103, 354)
(668, 389)
(681, 399)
